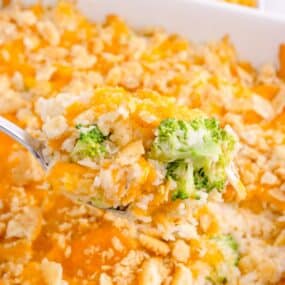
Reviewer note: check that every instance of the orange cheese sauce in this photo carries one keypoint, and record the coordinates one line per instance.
(48, 241)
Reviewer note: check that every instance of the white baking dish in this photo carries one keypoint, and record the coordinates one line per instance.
(256, 35)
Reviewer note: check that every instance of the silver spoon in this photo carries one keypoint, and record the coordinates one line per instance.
(33, 145)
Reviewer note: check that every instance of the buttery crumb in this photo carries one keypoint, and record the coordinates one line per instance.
(52, 272)
(24, 225)
(155, 245)
(181, 251)
(105, 279)
(117, 244)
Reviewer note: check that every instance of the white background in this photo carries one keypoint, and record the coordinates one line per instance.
(276, 6)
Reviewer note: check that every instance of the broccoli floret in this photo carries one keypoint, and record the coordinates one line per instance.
(90, 143)
(209, 178)
(217, 280)
(229, 247)
(170, 143)
(178, 139)
(201, 143)
(182, 173)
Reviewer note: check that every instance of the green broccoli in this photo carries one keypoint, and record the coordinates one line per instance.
(182, 173)
(217, 280)
(222, 272)
(200, 143)
(229, 248)
(90, 143)
(171, 143)
(178, 139)
(210, 176)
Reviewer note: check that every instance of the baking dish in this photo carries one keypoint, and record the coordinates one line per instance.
(255, 34)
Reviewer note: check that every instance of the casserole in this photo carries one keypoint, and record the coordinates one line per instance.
(130, 94)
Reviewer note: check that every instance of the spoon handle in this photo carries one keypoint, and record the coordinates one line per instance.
(22, 137)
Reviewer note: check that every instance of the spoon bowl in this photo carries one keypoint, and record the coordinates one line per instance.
(33, 145)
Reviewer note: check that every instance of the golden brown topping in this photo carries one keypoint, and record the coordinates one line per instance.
(154, 245)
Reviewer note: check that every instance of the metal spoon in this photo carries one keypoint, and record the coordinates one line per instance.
(33, 145)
